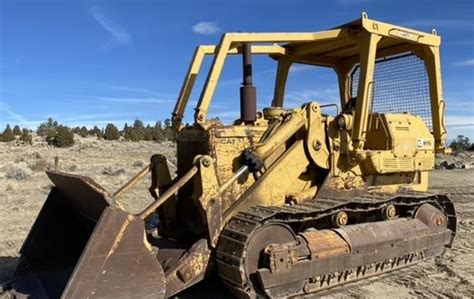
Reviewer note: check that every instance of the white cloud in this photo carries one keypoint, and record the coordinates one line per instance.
(460, 121)
(459, 106)
(301, 67)
(206, 28)
(225, 116)
(465, 131)
(468, 62)
(132, 89)
(120, 35)
(7, 114)
(323, 96)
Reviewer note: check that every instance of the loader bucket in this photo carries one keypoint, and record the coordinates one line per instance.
(84, 246)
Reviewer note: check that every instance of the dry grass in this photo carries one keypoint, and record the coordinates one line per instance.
(18, 171)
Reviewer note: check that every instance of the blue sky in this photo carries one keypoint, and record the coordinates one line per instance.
(94, 62)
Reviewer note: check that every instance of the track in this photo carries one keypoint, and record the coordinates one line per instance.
(318, 213)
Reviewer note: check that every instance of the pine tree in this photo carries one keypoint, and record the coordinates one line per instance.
(62, 137)
(83, 132)
(111, 132)
(147, 133)
(7, 134)
(16, 130)
(137, 132)
(169, 131)
(46, 127)
(461, 143)
(26, 136)
(97, 132)
(126, 132)
(158, 135)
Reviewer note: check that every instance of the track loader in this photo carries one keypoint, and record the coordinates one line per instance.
(283, 202)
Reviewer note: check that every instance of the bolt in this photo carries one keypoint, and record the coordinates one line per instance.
(206, 162)
(439, 221)
(348, 185)
(317, 144)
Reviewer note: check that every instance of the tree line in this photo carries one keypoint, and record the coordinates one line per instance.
(62, 136)
(461, 143)
(59, 135)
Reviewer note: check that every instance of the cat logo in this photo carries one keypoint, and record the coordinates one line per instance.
(227, 141)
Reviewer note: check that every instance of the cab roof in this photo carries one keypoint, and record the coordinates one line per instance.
(343, 44)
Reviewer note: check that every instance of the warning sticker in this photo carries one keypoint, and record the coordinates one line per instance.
(419, 143)
(423, 143)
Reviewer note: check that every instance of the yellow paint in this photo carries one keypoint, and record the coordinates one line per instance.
(119, 237)
(378, 152)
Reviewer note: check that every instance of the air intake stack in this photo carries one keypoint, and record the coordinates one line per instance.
(248, 92)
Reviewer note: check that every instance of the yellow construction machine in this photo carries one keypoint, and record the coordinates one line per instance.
(282, 202)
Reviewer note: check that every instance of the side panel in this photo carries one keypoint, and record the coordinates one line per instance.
(401, 152)
(398, 143)
(286, 176)
(225, 145)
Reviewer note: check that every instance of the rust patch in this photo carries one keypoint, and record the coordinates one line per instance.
(325, 243)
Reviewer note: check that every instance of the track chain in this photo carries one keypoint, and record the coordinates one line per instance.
(231, 249)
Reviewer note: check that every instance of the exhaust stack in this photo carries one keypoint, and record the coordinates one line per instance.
(248, 92)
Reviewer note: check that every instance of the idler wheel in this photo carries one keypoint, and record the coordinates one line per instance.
(273, 233)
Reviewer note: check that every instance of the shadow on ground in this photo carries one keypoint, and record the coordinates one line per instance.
(7, 266)
(211, 287)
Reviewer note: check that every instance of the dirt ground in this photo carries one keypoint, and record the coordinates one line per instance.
(24, 187)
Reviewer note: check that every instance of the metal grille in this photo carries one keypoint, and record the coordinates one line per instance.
(400, 86)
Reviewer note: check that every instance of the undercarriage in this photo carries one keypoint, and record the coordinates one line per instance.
(326, 242)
